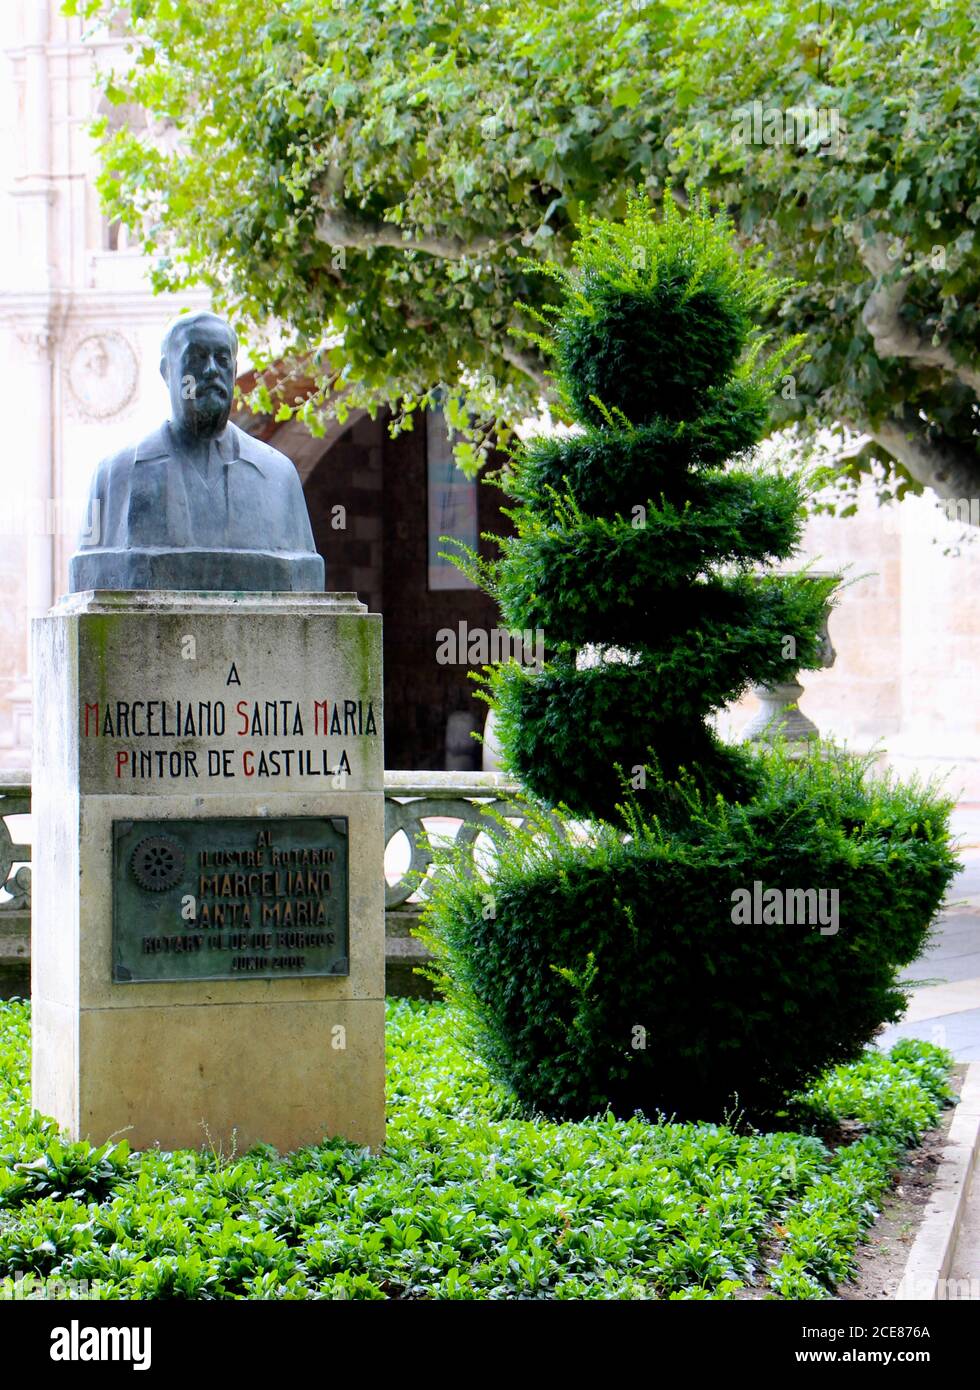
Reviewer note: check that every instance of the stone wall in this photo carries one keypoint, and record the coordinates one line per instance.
(907, 636)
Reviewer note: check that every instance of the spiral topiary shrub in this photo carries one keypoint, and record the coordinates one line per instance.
(724, 924)
(634, 535)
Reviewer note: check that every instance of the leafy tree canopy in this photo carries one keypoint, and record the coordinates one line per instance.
(369, 175)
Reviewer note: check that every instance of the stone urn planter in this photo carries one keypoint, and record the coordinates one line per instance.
(779, 713)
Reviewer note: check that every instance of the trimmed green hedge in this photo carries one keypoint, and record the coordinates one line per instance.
(627, 973)
(619, 973)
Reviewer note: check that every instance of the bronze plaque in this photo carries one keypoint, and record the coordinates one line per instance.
(230, 898)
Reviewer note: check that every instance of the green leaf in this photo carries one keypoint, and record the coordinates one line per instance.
(626, 95)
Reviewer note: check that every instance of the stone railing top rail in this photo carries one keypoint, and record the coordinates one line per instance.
(414, 797)
(17, 782)
(439, 784)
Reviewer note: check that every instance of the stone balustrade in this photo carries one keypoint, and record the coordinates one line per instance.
(15, 886)
(445, 804)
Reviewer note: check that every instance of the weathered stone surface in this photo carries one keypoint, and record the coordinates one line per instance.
(271, 1072)
(262, 662)
(83, 975)
(112, 1055)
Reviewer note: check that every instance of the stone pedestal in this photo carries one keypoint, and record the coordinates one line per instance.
(779, 714)
(208, 912)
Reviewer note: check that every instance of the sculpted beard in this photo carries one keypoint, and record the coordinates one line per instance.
(208, 406)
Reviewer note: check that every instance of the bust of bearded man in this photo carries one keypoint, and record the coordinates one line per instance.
(198, 504)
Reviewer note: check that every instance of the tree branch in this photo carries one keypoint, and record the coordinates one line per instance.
(339, 227)
(951, 469)
(527, 364)
(892, 335)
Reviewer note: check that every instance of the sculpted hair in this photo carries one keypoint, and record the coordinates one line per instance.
(183, 322)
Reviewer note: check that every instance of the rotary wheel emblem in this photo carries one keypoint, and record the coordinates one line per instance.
(158, 863)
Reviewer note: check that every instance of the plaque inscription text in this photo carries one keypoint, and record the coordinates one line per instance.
(230, 898)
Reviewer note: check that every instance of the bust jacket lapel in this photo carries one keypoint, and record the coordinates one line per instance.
(157, 499)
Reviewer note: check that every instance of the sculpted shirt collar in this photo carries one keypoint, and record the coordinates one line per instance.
(232, 444)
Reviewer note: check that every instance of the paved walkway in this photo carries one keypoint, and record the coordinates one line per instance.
(945, 1009)
(963, 1280)
(947, 1012)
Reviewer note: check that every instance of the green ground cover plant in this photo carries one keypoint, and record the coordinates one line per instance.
(468, 1200)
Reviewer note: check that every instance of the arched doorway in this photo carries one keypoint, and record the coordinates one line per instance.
(374, 516)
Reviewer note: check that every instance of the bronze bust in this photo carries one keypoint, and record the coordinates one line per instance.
(198, 504)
